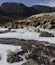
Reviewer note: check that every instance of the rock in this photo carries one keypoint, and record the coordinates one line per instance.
(46, 34)
(52, 22)
(52, 27)
(36, 24)
(35, 53)
(13, 31)
(30, 62)
(52, 53)
(13, 57)
(36, 30)
(53, 62)
(44, 26)
(34, 46)
(9, 29)
(26, 47)
(33, 56)
(30, 50)
(44, 21)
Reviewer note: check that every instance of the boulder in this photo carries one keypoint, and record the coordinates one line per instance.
(30, 62)
(13, 57)
(13, 31)
(52, 27)
(44, 21)
(35, 53)
(36, 30)
(46, 34)
(36, 24)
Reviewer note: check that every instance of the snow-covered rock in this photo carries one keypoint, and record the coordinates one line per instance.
(4, 50)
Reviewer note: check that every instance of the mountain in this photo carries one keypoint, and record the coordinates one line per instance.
(12, 10)
(43, 9)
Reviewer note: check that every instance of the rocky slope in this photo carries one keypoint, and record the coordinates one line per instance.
(45, 20)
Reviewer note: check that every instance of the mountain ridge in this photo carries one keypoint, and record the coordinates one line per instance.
(20, 11)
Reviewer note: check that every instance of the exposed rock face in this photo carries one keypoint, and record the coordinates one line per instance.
(13, 57)
(30, 62)
(46, 34)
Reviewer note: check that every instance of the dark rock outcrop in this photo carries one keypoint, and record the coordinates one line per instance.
(13, 57)
(46, 34)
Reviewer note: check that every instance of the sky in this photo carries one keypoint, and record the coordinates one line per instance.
(32, 2)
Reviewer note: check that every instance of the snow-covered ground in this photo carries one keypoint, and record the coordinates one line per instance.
(28, 34)
(25, 33)
(3, 29)
(3, 53)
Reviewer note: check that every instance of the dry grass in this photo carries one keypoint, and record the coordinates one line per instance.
(24, 20)
(39, 17)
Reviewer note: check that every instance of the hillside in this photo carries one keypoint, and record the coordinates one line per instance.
(16, 10)
(21, 11)
(43, 8)
(44, 20)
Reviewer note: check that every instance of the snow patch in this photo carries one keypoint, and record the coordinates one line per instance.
(29, 35)
(3, 53)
